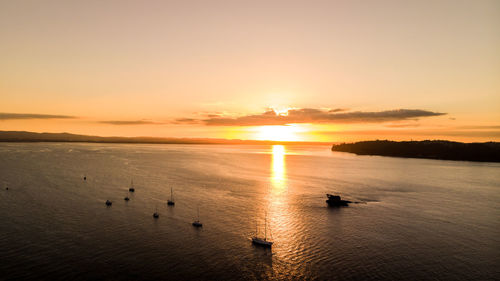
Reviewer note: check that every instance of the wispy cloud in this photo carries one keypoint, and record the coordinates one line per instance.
(479, 127)
(131, 122)
(415, 132)
(338, 110)
(14, 116)
(312, 115)
(403, 125)
(186, 121)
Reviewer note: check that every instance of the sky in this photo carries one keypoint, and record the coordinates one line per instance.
(329, 71)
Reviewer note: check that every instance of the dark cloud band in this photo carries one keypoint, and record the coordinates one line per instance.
(311, 115)
(130, 122)
(17, 116)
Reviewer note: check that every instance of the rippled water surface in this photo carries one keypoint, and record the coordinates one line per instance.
(417, 220)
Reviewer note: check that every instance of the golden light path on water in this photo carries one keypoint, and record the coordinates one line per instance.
(281, 224)
(278, 170)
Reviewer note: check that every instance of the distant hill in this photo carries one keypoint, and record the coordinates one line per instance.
(22, 136)
(437, 149)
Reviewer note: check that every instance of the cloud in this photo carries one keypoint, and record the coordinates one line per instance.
(478, 127)
(312, 115)
(404, 125)
(186, 121)
(338, 109)
(422, 132)
(214, 115)
(131, 122)
(14, 116)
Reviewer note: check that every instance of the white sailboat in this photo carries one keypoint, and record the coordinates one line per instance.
(262, 241)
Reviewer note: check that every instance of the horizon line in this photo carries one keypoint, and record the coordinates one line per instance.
(27, 136)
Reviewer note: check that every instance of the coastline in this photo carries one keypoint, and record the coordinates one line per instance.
(27, 137)
(428, 149)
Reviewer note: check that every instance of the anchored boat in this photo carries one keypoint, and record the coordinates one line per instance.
(336, 201)
(197, 222)
(171, 201)
(156, 214)
(262, 241)
(131, 188)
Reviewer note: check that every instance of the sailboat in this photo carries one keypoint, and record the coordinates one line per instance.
(197, 222)
(262, 241)
(171, 202)
(156, 214)
(131, 189)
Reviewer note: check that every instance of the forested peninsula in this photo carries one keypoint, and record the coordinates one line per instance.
(429, 149)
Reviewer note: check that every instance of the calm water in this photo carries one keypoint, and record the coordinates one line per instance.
(421, 220)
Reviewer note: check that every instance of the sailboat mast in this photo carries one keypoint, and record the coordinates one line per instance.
(265, 228)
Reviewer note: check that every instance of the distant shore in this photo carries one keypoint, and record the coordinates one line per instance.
(436, 149)
(23, 136)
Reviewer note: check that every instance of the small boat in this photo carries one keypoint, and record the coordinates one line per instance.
(262, 242)
(131, 189)
(126, 198)
(171, 201)
(84, 178)
(336, 201)
(197, 222)
(108, 203)
(259, 241)
(156, 214)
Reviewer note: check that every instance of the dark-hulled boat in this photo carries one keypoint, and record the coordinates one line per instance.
(171, 201)
(262, 241)
(197, 222)
(336, 201)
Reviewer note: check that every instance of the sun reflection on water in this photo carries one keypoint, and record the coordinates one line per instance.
(278, 213)
(278, 169)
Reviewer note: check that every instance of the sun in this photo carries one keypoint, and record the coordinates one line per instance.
(278, 133)
(281, 111)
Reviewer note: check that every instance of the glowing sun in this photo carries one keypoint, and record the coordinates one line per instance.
(278, 133)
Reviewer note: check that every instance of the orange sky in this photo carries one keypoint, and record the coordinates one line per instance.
(280, 70)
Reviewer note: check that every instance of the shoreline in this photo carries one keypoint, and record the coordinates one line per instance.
(32, 137)
(435, 150)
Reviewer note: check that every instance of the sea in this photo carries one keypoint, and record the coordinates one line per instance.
(411, 219)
